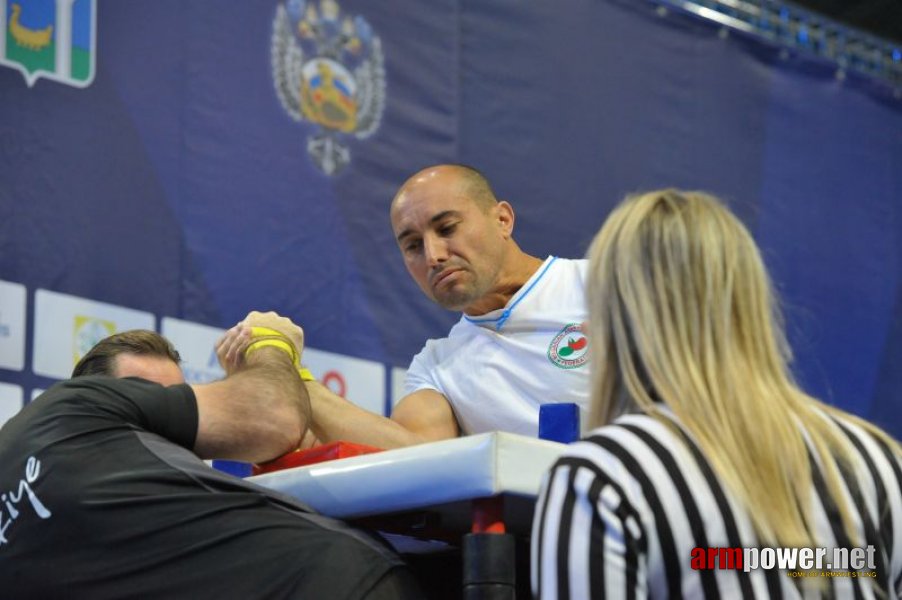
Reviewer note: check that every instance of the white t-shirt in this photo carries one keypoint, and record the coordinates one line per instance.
(497, 369)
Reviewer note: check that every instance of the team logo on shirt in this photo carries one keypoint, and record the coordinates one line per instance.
(13, 497)
(570, 347)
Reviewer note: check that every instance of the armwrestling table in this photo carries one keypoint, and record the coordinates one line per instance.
(478, 491)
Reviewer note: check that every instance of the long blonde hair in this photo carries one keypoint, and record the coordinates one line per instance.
(682, 312)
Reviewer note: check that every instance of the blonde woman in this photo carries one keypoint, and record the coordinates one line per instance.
(708, 463)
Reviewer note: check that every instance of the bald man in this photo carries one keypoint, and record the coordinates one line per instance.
(519, 343)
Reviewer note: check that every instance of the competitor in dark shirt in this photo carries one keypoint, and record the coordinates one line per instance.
(104, 493)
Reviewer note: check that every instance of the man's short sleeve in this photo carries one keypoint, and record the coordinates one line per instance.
(170, 412)
(420, 373)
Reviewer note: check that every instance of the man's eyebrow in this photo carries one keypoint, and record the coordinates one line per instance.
(435, 219)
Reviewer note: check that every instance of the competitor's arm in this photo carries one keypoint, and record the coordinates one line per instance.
(255, 415)
(261, 410)
(423, 416)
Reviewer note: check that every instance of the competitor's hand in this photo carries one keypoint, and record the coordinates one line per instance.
(231, 346)
(283, 325)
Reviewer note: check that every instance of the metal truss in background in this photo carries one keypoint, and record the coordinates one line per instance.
(806, 32)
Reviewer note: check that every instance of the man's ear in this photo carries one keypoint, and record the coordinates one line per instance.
(504, 216)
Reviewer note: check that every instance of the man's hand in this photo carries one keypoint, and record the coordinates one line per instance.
(262, 410)
(231, 346)
(283, 325)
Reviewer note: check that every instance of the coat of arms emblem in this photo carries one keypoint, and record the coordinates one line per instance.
(328, 70)
(54, 39)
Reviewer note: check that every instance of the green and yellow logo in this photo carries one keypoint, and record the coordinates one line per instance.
(54, 39)
(86, 332)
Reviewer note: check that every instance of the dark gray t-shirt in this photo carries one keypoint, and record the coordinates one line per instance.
(101, 497)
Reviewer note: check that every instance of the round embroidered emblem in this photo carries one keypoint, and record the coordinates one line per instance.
(570, 347)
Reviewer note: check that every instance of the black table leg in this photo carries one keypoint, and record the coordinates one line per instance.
(489, 554)
(489, 564)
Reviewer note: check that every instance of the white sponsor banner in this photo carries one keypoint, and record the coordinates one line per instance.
(10, 401)
(12, 325)
(196, 344)
(66, 327)
(360, 381)
(398, 375)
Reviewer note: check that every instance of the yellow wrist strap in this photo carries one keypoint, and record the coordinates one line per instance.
(264, 336)
(285, 347)
(259, 332)
(282, 345)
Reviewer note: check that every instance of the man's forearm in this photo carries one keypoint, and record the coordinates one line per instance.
(334, 419)
(257, 414)
(276, 380)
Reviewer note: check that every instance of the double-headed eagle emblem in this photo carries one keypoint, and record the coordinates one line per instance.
(328, 70)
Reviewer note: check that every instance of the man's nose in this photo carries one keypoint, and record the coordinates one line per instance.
(436, 250)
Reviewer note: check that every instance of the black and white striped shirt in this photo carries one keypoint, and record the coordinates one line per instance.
(621, 511)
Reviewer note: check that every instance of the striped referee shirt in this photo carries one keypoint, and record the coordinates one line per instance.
(621, 511)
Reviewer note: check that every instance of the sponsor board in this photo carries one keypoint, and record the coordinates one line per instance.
(66, 327)
(10, 401)
(12, 325)
(398, 375)
(196, 344)
(359, 381)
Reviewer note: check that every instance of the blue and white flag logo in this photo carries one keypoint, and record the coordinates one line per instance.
(54, 39)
